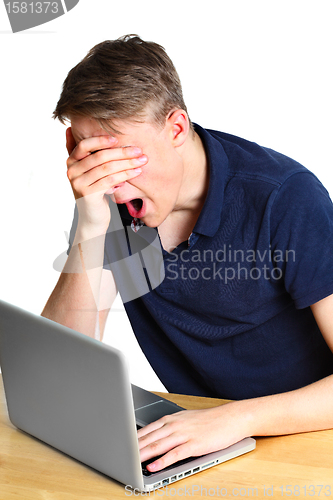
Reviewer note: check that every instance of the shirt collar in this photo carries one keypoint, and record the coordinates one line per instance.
(217, 160)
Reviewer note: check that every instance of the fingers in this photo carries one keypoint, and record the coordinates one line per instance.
(178, 436)
(96, 165)
(163, 437)
(110, 161)
(87, 146)
(192, 433)
(147, 429)
(103, 183)
(173, 456)
(173, 446)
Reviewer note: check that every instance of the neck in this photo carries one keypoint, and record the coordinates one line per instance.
(195, 181)
(178, 226)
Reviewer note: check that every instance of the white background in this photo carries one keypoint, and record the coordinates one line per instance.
(261, 70)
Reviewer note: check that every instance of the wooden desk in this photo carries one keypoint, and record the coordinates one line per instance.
(295, 466)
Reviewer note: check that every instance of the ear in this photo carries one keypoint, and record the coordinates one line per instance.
(178, 127)
(70, 141)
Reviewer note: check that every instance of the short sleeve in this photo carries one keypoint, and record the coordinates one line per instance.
(302, 238)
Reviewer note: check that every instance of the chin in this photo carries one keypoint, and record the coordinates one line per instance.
(149, 221)
(154, 220)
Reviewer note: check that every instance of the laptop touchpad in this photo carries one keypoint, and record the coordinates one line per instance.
(154, 411)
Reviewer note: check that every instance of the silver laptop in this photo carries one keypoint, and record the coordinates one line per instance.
(74, 393)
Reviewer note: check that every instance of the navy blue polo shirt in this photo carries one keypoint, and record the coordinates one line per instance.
(231, 318)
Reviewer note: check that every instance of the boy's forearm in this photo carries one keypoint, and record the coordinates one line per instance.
(197, 432)
(303, 410)
(72, 304)
(75, 300)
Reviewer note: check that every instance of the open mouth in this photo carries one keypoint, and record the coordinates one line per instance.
(136, 208)
(137, 204)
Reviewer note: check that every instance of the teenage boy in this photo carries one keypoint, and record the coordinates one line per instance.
(245, 309)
